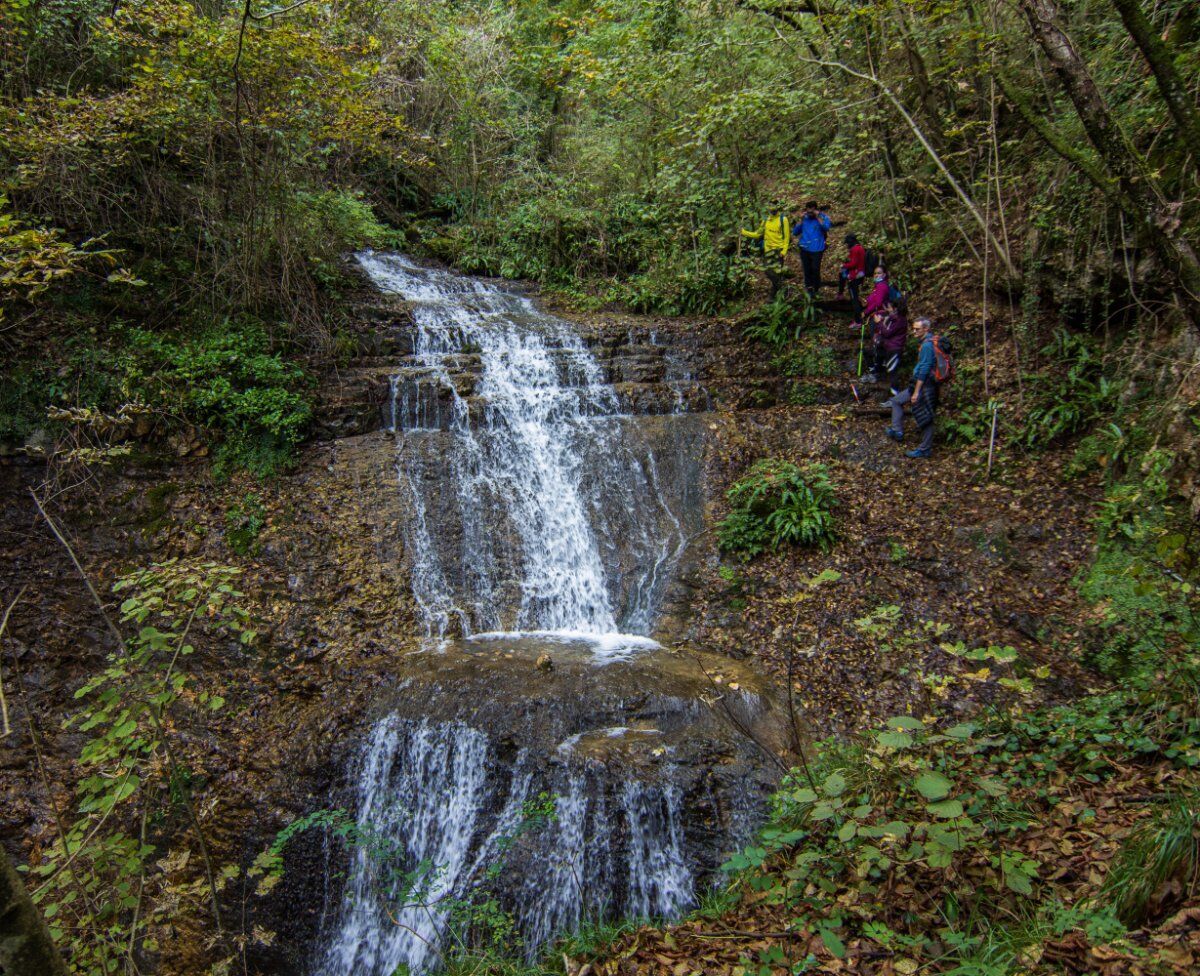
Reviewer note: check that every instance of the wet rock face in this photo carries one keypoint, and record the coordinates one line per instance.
(551, 478)
(579, 790)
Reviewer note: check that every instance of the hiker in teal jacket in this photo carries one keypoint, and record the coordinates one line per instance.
(922, 394)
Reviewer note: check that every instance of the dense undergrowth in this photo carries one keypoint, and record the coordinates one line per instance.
(927, 838)
(175, 168)
(178, 198)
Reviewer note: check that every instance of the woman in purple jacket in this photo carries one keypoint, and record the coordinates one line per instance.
(889, 330)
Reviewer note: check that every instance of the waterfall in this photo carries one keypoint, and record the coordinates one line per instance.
(535, 505)
(541, 511)
(441, 813)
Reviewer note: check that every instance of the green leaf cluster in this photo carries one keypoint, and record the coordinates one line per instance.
(779, 503)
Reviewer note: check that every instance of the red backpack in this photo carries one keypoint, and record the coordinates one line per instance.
(943, 361)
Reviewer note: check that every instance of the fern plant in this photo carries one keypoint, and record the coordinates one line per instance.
(777, 504)
(1081, 395)
(782, 319)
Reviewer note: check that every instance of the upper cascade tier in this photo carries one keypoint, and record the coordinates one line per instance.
(537, 501)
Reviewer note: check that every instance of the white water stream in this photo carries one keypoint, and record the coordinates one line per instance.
(548, 477)
(536, 510)
(439, 792)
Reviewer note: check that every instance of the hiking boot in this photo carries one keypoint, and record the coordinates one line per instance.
(918, 453)
(896, 435)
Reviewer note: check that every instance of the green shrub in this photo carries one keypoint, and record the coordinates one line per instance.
(81, 372)
(804, 394)
(904, 804)
(810, 357)
(1144, 609)
(700, 286)
(778, 504)
(1110, 448)
(244, 522)
(660, 251)
(781, 320)
(229, 380)
(968, 424)
(327, 224)
(1069, 395)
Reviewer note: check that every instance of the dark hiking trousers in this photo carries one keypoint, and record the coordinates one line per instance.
(885, 364)
(811, 262)
(856, 305)
(773, 266)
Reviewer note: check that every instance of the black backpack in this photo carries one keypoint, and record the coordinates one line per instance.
(871, 262)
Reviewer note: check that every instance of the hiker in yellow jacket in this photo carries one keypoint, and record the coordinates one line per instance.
(776, 237)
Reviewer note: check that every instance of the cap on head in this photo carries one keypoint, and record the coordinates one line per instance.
(851, 239)
(811, 205)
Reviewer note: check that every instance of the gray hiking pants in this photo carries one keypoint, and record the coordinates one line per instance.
(898, 402)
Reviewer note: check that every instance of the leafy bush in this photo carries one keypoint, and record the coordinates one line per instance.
(903, 807)
(623, 246)
(778, 504)
(673, 288)
(1070, 395)
(123, 882)
(229, 380)
(813, 357)
(873, 819)
(82, 372)
(1109, 448)
(326, 224)
(243, 523)
(804, 394)
(967, 424)
(1142, 608)
(781, 320)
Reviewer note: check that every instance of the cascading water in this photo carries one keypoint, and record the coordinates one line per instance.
(542, 514)
(547, 476)
(456, 807)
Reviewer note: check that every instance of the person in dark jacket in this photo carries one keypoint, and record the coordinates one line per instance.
(922, 394)
(811, 231)
(854, 269)
(888, 334)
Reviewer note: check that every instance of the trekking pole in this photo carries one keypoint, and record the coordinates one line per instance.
(992, 439)
(862, 338)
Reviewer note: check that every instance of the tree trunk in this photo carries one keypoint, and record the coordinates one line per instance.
(1159, 215)
(1070, 152)
(1162, 62)
(26, 948)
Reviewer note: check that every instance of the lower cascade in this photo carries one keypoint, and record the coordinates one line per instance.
(441, 788)
(542, 753)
